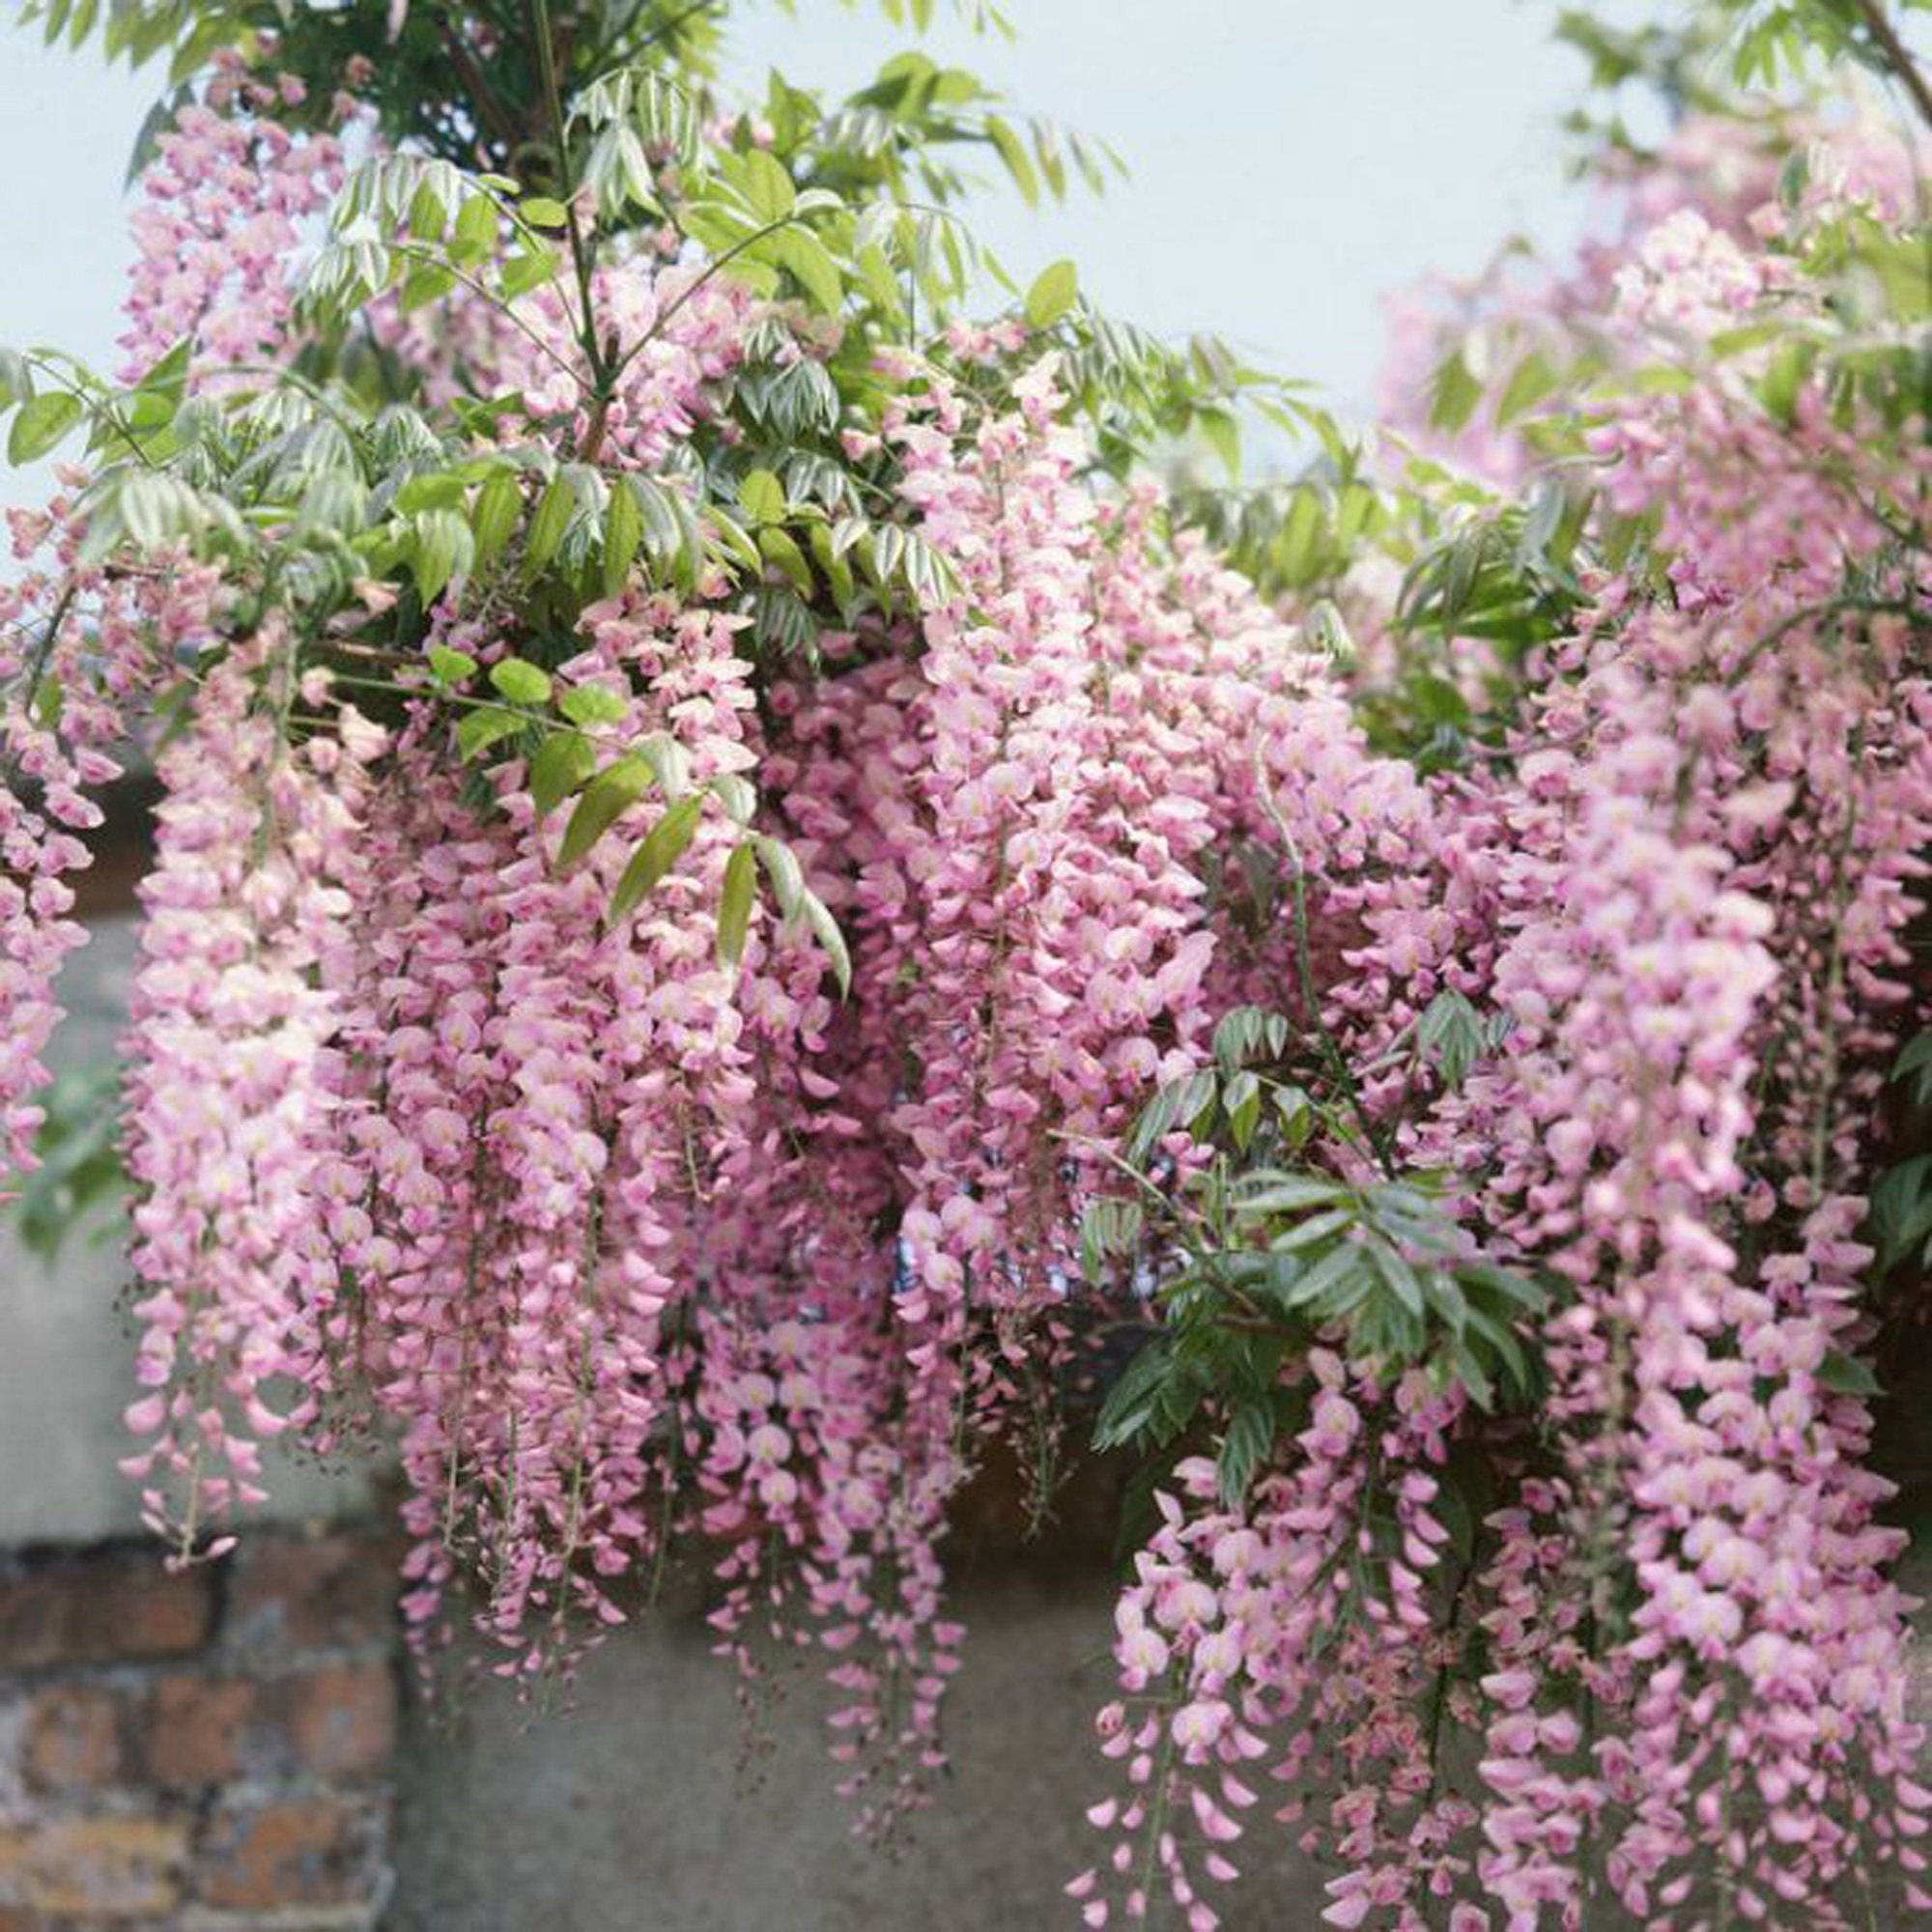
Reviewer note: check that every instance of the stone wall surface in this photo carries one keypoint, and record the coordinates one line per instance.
(210, 1750)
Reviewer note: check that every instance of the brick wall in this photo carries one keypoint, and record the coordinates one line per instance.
(209, 1750)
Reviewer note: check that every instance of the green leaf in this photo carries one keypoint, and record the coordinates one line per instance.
(1474, 1376)
(732, 540)
(1313, 1231)
(610, 793)
(777, 548)
(49, 702)
(1531, 381)
(478, 730)
(432, 490)
(1290, 1193)
(1450, 1036)
(768, 188)
(837, 572)
(1129, 1404)
(660, 849)
(669, 763)
(527, 270)
(1500, 1338)
(805, 257)
(1452, 1508)
(1245, 1031)
(168, 376)
(1339, 1265)
(782, 870)
(521, 682)
(1515, 1287)
(738, 795)
(831, 940)
(875, 270)
(1181, 1102)
(763, 497)
(734, 905)
(546, 527)
(562, 763)
(444, 549)
(448, 667)
(1053, 293)
(1396, 1271)
(589, 704)
(498, 504)
(1242, 1099)
(1846, 1375)
(1108, 1227)
(623, 533)
(44, 421)
(540, 211)
(1223, 437)
(1245, 1446)
(475, 233)
(1019, 162)
(1454, 393)
(1789, 370)
(17, 379)
(1915, 1054)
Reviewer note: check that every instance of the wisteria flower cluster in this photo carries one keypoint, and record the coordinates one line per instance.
(740, 896)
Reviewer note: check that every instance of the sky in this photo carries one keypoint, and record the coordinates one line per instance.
(1292, 162)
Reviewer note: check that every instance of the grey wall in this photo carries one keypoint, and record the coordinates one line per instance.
(630, 1812)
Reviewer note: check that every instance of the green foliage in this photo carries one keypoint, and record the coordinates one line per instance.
(1052, 294)
(1256, 1233)
(79, 1182)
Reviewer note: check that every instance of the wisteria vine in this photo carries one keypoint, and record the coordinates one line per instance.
(746, 909)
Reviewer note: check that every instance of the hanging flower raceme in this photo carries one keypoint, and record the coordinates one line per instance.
(236, 1086)
(554, 1085)
(78, 649)
(218, 234)
(1251, 1656)
(1060, 955)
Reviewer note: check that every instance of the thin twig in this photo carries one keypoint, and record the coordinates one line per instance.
(582, 255)
(1897, 55)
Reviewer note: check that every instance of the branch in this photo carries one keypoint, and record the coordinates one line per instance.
(581, 255)
(1896, 54)
(664, 31)
(491, 112)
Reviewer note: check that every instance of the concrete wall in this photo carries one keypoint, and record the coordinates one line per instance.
(632, 1812)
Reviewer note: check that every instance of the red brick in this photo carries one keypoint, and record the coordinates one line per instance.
(96, 1869)
(103, 1608)
(196, 1729)
(314, 1594)
(342, 1719)
(73, 1738)
(305, 1851)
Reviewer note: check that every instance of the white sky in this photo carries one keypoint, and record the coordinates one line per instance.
(1292, 160)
